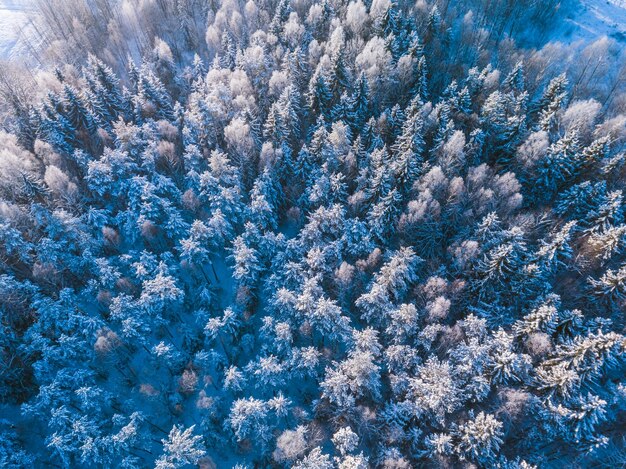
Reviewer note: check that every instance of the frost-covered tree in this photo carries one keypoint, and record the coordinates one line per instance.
(312, 234)
(480, 438)
(180, 449)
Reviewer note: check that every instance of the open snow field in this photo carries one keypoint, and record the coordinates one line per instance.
(14, 17)
(590, 19)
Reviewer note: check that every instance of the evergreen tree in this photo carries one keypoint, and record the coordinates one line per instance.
(339, 243)
(180, 449)
(408, 149)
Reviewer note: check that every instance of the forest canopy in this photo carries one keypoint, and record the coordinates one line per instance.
(336, 234)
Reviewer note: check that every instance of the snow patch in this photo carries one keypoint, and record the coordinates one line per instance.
(590, 19)
(15, 22)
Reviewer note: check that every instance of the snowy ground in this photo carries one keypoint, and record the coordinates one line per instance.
(14, 17)
(590, 19)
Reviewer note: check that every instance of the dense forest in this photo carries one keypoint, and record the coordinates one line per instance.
(337, 234)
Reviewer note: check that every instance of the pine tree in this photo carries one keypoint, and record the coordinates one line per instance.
(561, 162)
(434, 391)
(315, 460)
(351, 379)
(515, 79)
(180, 449)
(320, 96)
(408, 150)
(557, 250)
(480, 438)
(384, 214)
(289, 113)
(553, 98)
(249, 418)
(359, 112)
(339, 79)
(152, 97)
(611, 286)
(105, 94)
